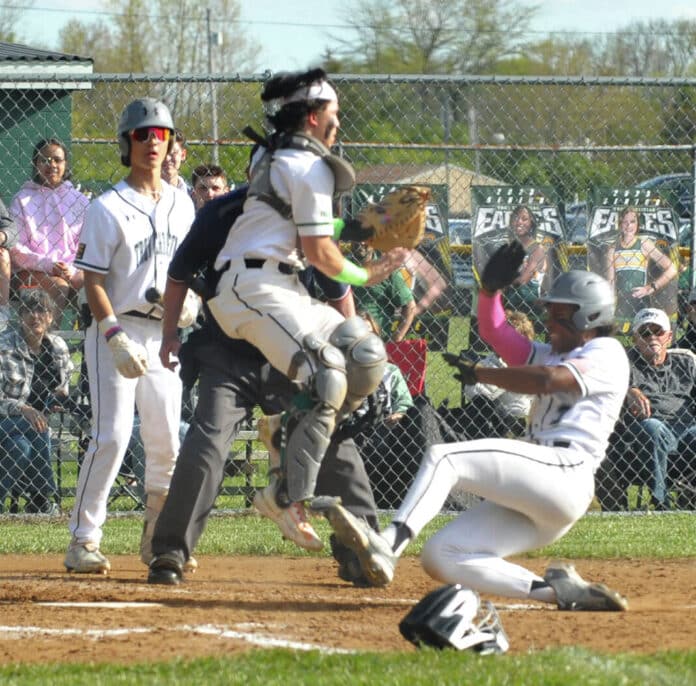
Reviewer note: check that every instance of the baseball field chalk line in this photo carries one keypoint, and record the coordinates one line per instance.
(108, 604)
(222, 632)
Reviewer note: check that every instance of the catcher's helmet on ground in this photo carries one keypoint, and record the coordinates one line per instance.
(593, 295)
(454, 617)
(138, 114)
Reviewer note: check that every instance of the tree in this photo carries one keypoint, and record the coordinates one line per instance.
(172, 38)
(653, 48)
(10, 14)
(430, 36)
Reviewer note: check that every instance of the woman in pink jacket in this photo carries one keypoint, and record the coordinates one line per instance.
(48, 212)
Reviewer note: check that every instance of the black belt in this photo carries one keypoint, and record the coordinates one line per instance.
(142, 315)
(561, 444)
(254, 263)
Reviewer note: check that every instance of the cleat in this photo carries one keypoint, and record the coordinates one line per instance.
(377, 560)
(292, 520)
(165, 571)
(349, 568)
(574, 593)
(85, 558)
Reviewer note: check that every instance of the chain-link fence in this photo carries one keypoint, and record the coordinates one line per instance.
(554, 162)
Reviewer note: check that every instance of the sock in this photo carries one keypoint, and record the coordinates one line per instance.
(398, 535)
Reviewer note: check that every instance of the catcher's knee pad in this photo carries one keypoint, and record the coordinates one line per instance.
(365, 359)
(328, 382)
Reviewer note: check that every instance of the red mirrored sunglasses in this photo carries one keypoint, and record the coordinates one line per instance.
(143, 134)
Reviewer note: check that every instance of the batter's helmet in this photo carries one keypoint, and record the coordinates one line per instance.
(592, 294)
(140, 113)
(454, 617)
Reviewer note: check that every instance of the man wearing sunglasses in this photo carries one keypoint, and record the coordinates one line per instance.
(660, 403)
(127, 241)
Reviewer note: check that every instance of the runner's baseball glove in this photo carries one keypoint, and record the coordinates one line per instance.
(398, 219)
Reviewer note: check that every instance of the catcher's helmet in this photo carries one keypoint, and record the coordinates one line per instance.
(140, 113)
(454, 617)
(592, 294)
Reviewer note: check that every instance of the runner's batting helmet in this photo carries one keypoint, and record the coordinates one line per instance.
(141, 113)
(592, 294)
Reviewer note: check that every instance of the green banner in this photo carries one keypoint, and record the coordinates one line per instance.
(633, 240)
(531, 215)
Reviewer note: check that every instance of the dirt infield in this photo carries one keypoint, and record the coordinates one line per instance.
(240, 603)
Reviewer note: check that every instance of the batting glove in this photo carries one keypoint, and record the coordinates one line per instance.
(503, 267)
(130, 357)
(189, 310)
(466, 369)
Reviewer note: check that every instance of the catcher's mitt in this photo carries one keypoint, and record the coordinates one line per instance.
(398, 219)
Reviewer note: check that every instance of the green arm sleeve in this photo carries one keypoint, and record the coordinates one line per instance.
(352, 274)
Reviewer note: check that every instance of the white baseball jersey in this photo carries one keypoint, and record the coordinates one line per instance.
(587, 420)
(301, 179)
(129, 238)
(132, 239)
(270, 309)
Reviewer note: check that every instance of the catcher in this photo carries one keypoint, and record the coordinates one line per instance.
(286, 225)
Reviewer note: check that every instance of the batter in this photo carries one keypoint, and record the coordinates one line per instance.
(128, 239)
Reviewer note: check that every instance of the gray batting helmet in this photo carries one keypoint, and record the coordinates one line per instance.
(140, 113)
(592, 294)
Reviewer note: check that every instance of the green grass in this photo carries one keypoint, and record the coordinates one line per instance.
(598, 536)
(664, 535)
(567, 667)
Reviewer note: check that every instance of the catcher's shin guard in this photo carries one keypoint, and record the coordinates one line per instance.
(305, 442)
(308, 427)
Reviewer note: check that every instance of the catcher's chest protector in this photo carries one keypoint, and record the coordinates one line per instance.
(261, 187)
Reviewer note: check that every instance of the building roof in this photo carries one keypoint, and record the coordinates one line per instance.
(24, 68)
(15, 52)
(458, 180)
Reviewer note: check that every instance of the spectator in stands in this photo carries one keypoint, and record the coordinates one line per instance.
(688, 338)
(629, 264)
(397, 400)
(389, 300)
(208, 181)
(661, 400)
(171, 166)
(8, 234)
(48, 211)
(35, 369)
(491, 411)
(424, 277)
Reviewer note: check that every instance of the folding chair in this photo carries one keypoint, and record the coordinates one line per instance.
(410, 356)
